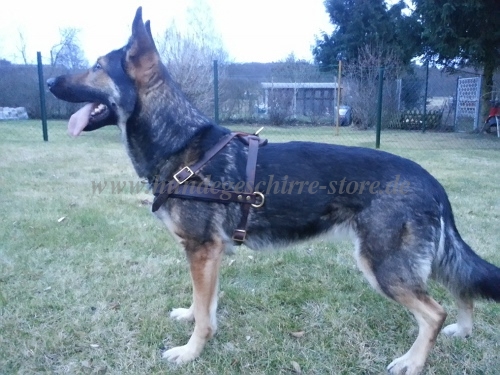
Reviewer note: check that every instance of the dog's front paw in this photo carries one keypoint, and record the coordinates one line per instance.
(182, 314)
(405, 365)
(456, 330)
(181, 354)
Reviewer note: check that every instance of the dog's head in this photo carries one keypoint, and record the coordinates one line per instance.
(110, 87)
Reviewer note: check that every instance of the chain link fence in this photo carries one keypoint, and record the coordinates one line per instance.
(20, 99)
(19, 88)
(421, 109)
(296, 101)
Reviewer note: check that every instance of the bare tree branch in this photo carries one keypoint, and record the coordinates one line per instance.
(189, 56)
(67, 52)
(22, 47)
(362, 78)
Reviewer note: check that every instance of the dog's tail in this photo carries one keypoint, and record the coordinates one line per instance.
(464, 272)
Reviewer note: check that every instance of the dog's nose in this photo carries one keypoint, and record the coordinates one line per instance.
(51, 82)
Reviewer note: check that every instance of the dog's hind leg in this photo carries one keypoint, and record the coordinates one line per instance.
(404, 280)
(402, 277)
(463, 326)
(430, 317)
(204, 261)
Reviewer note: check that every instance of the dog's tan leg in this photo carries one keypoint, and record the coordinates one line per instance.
(463, 326)
(204, 261)
(430, 317)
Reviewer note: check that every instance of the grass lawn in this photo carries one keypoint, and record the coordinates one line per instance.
(87, 280)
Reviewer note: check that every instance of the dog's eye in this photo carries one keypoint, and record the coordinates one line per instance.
(96, 67)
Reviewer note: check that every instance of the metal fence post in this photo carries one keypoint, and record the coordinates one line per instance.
(424, 122)
(379, 107)
(41, 84)
(216, 92)
(478, 106)
(457, 107)
(339, 79)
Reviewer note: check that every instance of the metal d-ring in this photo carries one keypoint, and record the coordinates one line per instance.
(262, 199)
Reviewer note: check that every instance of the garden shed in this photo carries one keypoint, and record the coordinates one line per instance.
(301, 98)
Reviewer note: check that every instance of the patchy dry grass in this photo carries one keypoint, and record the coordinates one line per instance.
(90, 294)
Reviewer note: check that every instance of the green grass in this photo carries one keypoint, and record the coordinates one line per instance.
(91, 294)
(391, 140)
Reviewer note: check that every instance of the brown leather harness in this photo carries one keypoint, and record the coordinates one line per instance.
(248, 198)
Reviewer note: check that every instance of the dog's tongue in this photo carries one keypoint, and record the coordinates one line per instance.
(79, 120)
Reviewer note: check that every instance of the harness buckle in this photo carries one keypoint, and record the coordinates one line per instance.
(239, 235)
(181, 180)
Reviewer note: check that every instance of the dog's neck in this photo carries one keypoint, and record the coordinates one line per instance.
(161, 128)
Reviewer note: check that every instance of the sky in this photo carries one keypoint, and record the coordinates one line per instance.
(251, 30)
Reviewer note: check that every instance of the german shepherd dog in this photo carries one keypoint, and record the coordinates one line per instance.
(401, 238)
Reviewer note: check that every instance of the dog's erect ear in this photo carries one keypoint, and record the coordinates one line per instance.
(148, 30)
(142, 55)
(141, 41)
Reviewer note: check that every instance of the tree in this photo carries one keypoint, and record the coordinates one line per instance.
(459, 33)
(22, 48)
(67, 52)
(292, 69)
(361, 83)
(361, 23)
(4, 63)
(189, 55)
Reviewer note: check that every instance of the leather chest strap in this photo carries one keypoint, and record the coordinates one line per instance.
(249, 198)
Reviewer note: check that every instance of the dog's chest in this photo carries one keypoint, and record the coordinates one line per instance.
(169, 219)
